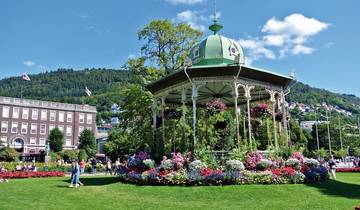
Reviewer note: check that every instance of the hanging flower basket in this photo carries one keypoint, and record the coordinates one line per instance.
(261, 110)
(215, 105)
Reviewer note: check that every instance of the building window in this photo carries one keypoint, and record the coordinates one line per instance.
(25, 114)
(61, 128)
(51, 127)
(81, 129)
(89, 128)
(89, 118)
(4, 127)
(33, 128)
(68, 142)
(68, 130)
(69, 117)
(43, 129)
(34, 114)
(52, 115)
(32, 140)
(24, 128)
(15, 113)
(81, 118)
(43, 115)
(42, 141)
(14, 127)
(5, 112)
(61, 116)
(4, 139)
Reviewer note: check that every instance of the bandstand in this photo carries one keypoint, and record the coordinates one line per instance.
(218, 70)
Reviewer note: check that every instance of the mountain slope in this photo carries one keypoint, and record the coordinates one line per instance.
(67, 85)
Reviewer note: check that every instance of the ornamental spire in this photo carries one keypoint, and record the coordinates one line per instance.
(215, 27)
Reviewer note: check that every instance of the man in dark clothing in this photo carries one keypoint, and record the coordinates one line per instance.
(93, 165)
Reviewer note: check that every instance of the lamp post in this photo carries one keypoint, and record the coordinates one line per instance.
(328, 127)
(317, 135)
(341, 143)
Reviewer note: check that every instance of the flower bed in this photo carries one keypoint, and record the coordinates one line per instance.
(176, 171)
(23, 174)
(357, 169)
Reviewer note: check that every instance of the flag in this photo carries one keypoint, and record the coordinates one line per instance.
(87, 91)
(25, 77)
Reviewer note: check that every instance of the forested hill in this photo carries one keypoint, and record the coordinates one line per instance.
(303, 93)
(67, 85)
(64, 85)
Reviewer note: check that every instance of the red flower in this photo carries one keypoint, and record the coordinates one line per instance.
(29, 174)
(286, 171)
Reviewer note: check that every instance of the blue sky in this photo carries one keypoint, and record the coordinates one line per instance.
(318, 40)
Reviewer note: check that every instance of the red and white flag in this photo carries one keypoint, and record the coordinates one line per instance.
(87, 91)
(25, 77)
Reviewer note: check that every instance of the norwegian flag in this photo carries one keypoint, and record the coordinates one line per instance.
(25, 77)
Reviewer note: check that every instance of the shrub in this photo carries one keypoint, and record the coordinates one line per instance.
(148, 163)
(310, 162)
(70, 155)
(264, 164)
(196, 166)
(234, 165)
(252, 159)
(167, 164)
(298, 155)
(8, 154)
(294, 163)
(178, 161)
(83, 155)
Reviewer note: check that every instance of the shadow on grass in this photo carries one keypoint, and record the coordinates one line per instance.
(96, 181)
(339, 189)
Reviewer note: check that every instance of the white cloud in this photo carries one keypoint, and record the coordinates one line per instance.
(301, 49)
(256, 50)
(29, 63)
(188, 2)
(274, 40)
(193, 18)
(295, 24)
(285, 37)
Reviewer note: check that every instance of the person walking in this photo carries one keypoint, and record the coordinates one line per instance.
(74, 174)
(108, 168)
(117, 166)
(332, 167)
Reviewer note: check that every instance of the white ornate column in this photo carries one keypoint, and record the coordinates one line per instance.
(247, 90)
(236, 96)
(273, 101)
(284, 117)
(194, 97)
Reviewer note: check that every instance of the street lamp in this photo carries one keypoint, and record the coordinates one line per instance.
(328, 127)
(317, 135)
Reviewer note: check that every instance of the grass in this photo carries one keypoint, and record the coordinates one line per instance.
(108, 193)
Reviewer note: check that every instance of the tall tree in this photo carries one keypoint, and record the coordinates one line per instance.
(56, 140)
(88, 142)
(167, 43)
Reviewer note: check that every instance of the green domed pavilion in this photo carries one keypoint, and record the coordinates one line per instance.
(218, 70)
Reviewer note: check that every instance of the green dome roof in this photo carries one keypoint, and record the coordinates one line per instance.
(216, 50)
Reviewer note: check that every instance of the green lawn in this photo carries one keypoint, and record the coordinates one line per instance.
(108, 193)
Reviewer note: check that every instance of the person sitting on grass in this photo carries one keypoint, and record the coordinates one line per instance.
(3, 180)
